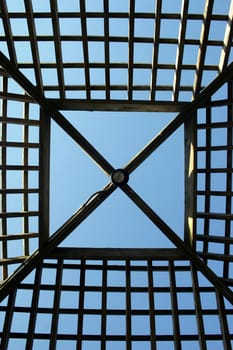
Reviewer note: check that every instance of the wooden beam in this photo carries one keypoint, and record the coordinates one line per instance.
(119, 106)
(44, 177)
(190, 180)
(117, 253)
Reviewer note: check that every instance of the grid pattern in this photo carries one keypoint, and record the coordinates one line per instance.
(116, 55)
(19, 184)
(214, 183)
(128, 50)
(116, 304)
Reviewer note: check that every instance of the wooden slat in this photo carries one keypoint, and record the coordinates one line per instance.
(121, 106)
(104, 306)
(156, 50)
(19, 144)
(117, 88)
(8, 320)
(190, 181)
(18, 190)
(214, 148)
(203, 46)
(118, 253)
(3, 204)
(15, 97)
(208, 143)
(106, 49)
(215, 193)
(218, 239)
(58, 48)
(18, 236)
(117, 14)
(213, 170)
(56, 306)
(128, 307)
(84, 40)
(220, 216)
(18, 214)
(25, 156)
(10, 261)
(180, 49)
(228, 206)
(198, 309)
(175, 317)
(20, 167)
(131, 49)
(81, 304)
(44, 177)
(123, 65)
(19, 121)
(34, 44)
(8, 32)
(34, 308)
(151, 305)
(223, 321)
(216, 256)
(227, 41)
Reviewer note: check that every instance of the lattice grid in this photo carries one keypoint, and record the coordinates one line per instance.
(19, 176)
(116, 304)
(105, 50)
(214, 183)
(160, 56)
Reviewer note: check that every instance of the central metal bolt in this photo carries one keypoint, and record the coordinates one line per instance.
(120, 177)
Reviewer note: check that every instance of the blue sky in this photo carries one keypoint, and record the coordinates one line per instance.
(118, 136)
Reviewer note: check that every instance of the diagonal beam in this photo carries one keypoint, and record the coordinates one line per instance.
(187, 112)
(52, 111)
(189, 253)
(71, 224)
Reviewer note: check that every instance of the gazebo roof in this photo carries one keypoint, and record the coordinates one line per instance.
(164, 56)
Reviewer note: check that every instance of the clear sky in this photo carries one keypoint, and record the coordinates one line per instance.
(159, 180)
